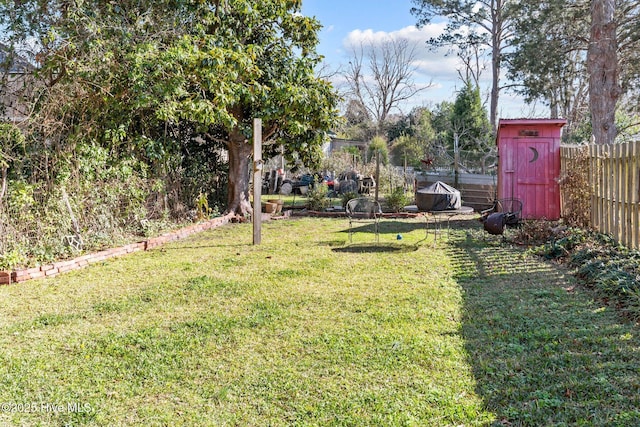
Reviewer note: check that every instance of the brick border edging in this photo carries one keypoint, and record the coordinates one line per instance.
(53, 269)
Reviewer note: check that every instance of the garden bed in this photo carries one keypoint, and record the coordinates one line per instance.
(55, 268)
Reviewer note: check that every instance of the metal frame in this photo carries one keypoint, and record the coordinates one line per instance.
(363, 209)
(504, 213)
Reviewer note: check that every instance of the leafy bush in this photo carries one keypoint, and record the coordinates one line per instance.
(576, 193)
(378, 145)
(11, 259)
(553, 241)
(397, 199)
(602, 263)
(317, 199)
(103, 199)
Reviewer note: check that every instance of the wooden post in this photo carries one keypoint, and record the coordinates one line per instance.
(404, 181)
(377, 172)
(257, 181)
(456, 160)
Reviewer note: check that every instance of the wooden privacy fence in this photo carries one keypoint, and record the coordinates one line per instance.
(613, 178)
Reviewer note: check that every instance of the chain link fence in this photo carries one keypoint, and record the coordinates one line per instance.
(442, 159)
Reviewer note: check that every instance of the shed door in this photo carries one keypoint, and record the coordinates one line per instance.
(529, 171)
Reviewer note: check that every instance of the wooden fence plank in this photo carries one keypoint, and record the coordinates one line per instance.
(594, 178)
(612, 161)
(618, 171)
(633, 199)
(625, 194)
(599, 160)
(627, 226)
(614, 188)
(598, 179)
(606, 189)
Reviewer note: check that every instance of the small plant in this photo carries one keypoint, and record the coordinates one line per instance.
(12, 259)
(317, 197)
(203, 211)
(397, 200)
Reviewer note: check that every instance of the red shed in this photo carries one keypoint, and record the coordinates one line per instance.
(529, 165)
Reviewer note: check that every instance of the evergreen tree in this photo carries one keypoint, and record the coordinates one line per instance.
(469, 120)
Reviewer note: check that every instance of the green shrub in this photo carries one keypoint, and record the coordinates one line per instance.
(397, 199)
(12, 259)
(605, 266)
(317, 199)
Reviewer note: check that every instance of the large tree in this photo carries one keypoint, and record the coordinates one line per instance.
(473, 23)
(412, 137)
(357, 123)
(580, 57)
(602, 62)
(548, 60)
(469, 120)
(135, 74)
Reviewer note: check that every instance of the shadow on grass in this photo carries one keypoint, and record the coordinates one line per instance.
(375, 248)
(388, 227)
(177, 246)
(542, 349)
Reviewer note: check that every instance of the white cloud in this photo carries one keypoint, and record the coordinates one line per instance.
(438, 67)
(434, 65)
(411, 33)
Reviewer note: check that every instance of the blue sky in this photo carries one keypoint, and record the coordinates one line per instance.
(339, 18)
(352, 21)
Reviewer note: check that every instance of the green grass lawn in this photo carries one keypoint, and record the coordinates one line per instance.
(307, 329)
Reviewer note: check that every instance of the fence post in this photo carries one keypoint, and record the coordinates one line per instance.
(456, 160)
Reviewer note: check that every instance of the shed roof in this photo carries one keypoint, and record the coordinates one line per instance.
(521, 122)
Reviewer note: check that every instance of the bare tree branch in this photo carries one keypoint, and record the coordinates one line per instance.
(387, 81)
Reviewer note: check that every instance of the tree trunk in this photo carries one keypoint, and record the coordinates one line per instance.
(496, 62)
(553, 105)
(495, 88)
(3, 185)
(240, 151)
(602, 61)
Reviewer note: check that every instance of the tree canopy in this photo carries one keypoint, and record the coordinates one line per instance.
(473, 23)
(469, 119)
(149, 76)
(578, 57)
